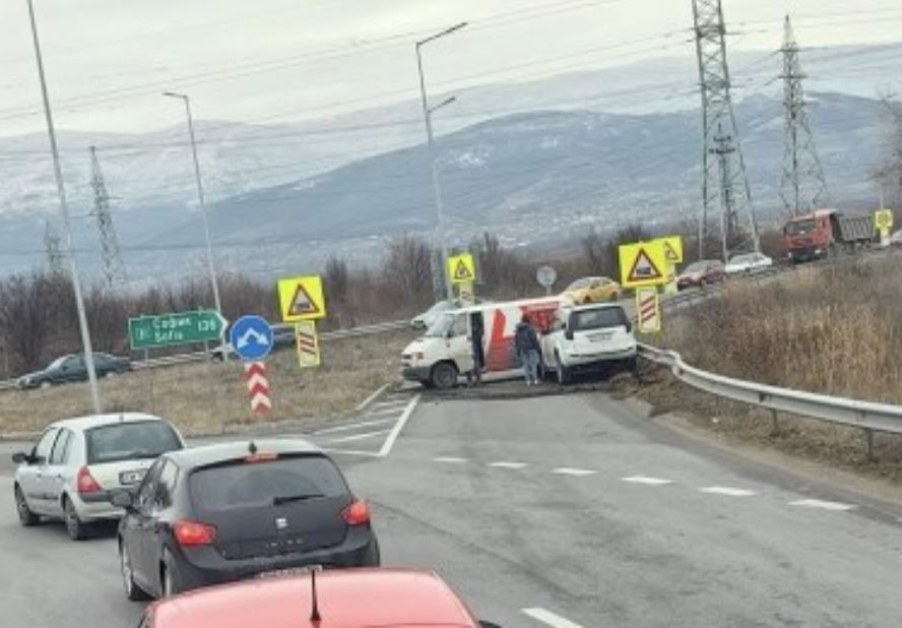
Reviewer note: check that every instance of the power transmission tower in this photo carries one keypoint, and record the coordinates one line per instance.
(725, 186)
(803, 186)
(53, 248)
(113, 268)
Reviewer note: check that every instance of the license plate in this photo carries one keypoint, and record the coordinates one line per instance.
(600, 337)
(127, 478)
(294, 571)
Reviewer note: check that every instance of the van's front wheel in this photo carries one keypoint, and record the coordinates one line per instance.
(444, 375)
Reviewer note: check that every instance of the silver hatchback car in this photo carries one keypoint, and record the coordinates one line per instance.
(77, 465)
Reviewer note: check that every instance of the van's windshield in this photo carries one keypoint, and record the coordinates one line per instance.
(444, 324)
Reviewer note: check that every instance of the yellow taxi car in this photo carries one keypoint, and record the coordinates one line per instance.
(592, 290)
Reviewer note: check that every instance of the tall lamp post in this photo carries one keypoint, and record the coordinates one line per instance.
(200, 197)
(64, 210)
(445, 285)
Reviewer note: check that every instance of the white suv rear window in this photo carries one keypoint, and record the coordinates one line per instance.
(598, 319)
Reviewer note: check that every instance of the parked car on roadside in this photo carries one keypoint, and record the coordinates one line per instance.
(896, 238)
(72, 368)
(78, 465)
(224, 512)
(701, 273)
(349, 598)
(748, 263)
(592, 290)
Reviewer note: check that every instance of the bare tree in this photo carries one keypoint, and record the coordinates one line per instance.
(408, 266)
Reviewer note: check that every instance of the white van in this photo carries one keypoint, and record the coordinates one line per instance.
(588, 337)
(445, 351)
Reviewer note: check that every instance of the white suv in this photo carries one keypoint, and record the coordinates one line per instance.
(77, 465)
(588, 337)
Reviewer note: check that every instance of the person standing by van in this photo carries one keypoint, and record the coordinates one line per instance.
(477, 338)
(529, 350)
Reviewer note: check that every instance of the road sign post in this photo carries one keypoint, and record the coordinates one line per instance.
(307, 340)
(301, 299)
(883, 223)
(258, 387)
(251, 338)
(642, 264)
(673, 252)
(170, 330)
(546, 276)
(648, 308)
(461, 269)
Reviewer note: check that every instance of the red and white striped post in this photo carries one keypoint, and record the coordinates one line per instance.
(258, 387)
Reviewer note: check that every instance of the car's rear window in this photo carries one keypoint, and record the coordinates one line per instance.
(598, 319)
(129, 441)
(240, 484)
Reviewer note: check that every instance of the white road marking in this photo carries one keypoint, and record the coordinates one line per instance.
(366, 402)
(450, 459)
(549, 619)
(508, 465)
(726, 490)
(642, 479)
(392, 402)
(350, 427)
(384, 411)
(396, 430)
(817, 503)
(352, 452)
(363, 436)
(575, 472)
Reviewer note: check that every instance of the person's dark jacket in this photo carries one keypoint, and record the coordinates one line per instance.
(525, 338)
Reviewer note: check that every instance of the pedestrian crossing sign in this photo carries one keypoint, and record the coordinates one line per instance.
(461, 268)
(301, 299)
(643, 264)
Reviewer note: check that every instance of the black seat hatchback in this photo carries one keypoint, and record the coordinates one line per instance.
(225, 512)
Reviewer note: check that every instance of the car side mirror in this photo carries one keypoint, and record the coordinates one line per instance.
(123, 499)
(20, 457)
(568, 334)
(629, 327)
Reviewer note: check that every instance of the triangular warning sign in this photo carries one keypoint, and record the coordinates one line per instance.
(462, 272)
(670, 253)
(302, 304)
(644, 269)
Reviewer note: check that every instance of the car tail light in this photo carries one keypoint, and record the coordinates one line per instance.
(358, 513)
(194, 533)
(86, 483)
(260, 458)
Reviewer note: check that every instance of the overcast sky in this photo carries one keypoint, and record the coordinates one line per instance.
(281, 60)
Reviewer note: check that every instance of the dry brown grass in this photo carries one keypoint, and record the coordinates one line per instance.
(212, 398)
(835, 331)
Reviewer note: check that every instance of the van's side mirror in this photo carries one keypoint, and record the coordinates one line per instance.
(629, 327)
(568, 333)
(123, 499)
(20, 457)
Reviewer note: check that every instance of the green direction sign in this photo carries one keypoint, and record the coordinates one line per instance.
(168, 330)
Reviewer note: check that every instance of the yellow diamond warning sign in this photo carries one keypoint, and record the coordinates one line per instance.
(461, 268)
(301, 299)
(642, 264)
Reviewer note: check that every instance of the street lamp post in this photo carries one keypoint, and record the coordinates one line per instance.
(64, 210)
(200, 197)
(430, 139)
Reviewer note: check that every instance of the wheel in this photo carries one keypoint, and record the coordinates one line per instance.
(614, 297)
(26, 517)
(444, 375)
(563, 373)
(587, 301)
(132, 591)
(77, 529)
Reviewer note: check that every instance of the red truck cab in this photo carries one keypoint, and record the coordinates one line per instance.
(345, 598)
(810, 236)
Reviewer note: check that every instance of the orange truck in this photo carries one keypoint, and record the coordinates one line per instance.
(824, 232)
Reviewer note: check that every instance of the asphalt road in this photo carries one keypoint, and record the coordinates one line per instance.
(552, 510)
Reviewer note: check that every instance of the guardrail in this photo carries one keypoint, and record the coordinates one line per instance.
(868, 416)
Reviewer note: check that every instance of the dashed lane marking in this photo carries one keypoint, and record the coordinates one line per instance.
(642, 479)
(825, 505)
(549, 619)
(726, 490)
(508, 465)
(351, 427)
(355, 437)
(450, 460)
(574, 472)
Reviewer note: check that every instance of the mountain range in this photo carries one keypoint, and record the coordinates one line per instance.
(570, 153)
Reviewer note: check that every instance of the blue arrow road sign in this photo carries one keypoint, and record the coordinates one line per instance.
(251, 338)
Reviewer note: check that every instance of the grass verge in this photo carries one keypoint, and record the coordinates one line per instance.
(211, 398)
